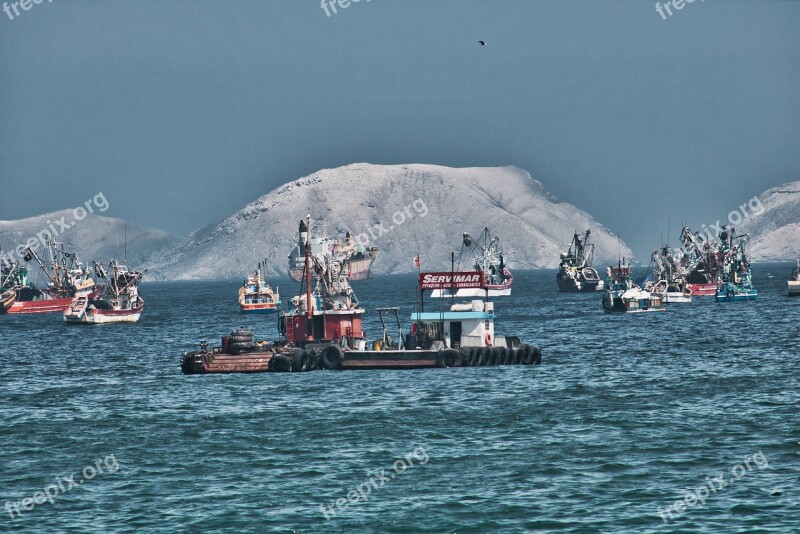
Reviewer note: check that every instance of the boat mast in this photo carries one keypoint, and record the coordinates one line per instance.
(309, 313)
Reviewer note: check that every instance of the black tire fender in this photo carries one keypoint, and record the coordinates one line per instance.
(451, 358)
(280, 363)
(300, 361)
(331, 357)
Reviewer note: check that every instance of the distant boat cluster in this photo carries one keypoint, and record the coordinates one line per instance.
(82, 295)
(702, 266)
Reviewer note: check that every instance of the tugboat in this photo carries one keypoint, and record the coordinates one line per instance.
(737, 278)
(118, 301)
(67, 278)
(576, 273)
(256, 296)
(359, 258)
(622, 295)
(323, 330)
(666, 280)
(489, 260)
(794, 281)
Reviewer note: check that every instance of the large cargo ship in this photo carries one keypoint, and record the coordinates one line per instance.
(355, 258)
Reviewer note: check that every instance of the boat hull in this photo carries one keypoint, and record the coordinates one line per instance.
(6, 300)
(794, 288)
(703, 290)
(360, 269)
(40, 306)
(254, 309)
(736, 297)
(569, 285)
(98, 316)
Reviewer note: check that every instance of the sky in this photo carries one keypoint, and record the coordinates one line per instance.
(182, 112)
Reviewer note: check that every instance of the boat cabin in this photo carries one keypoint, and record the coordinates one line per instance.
(469, 324)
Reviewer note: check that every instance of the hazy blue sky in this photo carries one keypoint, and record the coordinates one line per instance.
(181, 112)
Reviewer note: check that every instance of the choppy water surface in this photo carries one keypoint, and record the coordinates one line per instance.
(625, 414)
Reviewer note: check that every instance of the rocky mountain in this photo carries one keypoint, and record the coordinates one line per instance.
(775, 229)
(403, 210)
(91, 236)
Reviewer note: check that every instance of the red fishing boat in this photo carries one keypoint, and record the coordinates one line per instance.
(67, 278)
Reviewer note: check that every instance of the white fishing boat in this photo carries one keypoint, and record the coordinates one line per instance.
(489, 261)
(622, 295)
(667, 280)
(116, 301)
(794, 281)
(576, 273)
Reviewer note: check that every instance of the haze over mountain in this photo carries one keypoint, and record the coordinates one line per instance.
(94, 237)
(403, 210)
(775, 230)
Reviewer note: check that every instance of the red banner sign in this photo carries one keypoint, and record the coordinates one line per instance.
(462, 280)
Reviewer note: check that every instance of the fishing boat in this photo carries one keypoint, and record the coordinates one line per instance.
(488, 260)
(576, 273)
(256, 296)
(622, 295)
(67, 278)
(8, 284)
(666, 279)
(700, 262)
(116, 301)
(794, 281)
(737, 277)
(359, 258)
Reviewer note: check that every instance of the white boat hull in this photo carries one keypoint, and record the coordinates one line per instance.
(81, 312)
(794, 288)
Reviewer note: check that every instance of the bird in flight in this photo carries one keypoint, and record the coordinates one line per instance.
(482, 43)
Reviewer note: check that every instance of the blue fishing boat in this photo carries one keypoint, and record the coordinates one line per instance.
(737, 277)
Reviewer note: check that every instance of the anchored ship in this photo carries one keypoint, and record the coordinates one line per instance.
(488, 260)
(256, 296)
(67, 278)
(794, 281)
(359, 258)
(622, 295)
(576, 273)
(116, 301)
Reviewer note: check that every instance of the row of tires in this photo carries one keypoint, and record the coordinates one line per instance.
(331, 358)
(486, 356)
(303, 361)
